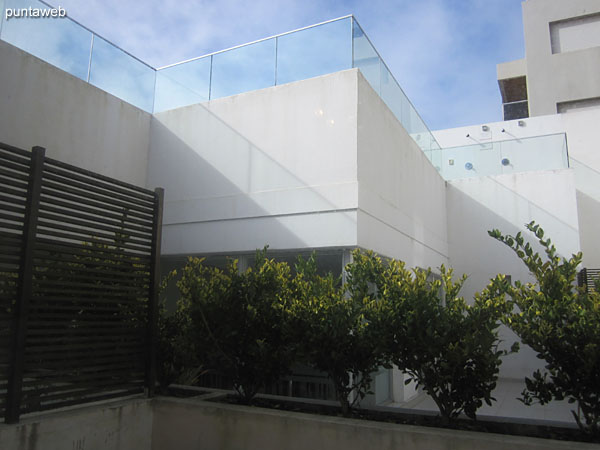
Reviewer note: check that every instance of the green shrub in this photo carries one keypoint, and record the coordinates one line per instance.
(444, 345)
(177, 359)
(562, 324)
(334, 326)
(236, 320)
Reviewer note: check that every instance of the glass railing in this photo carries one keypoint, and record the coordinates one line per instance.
(73, 48)
(309, 52)
(317, 50)
(297, 55)
(374, 69)
(503, 157)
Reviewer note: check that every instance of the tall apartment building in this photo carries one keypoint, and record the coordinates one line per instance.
(561, 69)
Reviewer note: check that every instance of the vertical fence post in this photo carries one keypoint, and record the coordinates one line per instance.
(152, 330)
(24, 288)
(582, 279)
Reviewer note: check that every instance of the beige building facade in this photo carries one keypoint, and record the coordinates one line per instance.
(561, 69)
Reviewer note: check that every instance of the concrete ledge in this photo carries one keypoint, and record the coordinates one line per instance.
(193, 424)
(166, 423)
(114, 425)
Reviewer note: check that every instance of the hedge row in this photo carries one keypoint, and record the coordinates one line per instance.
(252, 325)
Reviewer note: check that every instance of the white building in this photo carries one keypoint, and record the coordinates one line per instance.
(305, 141)
(561, 70)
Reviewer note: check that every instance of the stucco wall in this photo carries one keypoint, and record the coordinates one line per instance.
(275, 166)
(76, 122)
(560, 77)
(402, 202)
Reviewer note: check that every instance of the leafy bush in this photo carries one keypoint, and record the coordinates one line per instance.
(446, 346)
(177, 359)
(335, 326)
(562, 324)
(236, 320)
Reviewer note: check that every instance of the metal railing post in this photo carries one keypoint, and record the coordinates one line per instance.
(152, 330)
(24, 288)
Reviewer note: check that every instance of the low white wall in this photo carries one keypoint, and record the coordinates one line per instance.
(275, 166)
(123, 425)
(193, 424)
(76, 122)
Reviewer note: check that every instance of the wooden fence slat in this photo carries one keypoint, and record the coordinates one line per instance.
(152, 340)
(95, 182)
(53, 162)
(17, 358)
(73, 188)
(47, 194)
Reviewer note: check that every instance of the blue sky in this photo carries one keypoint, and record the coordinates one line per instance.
(442, 52)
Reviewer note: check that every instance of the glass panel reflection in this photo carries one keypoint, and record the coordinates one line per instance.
(539, 153)
(182, 85)
(314, 51)
(243, 69)
(503, 157)
(365, 57)
(120, 74)
(58, 41)
(471, 161)
(395, 98)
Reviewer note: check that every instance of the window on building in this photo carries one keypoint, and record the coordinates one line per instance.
(514, 98)
(576, 33)
(578, 105)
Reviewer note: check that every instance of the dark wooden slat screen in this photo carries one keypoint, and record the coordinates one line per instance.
(78, 299)
(588, 278)
(13, 201)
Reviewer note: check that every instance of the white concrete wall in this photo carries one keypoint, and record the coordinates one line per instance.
(76, 122)
(560, 77)
(551, 198)
(507, 202)
(584, 157)
(402, 201)
(280, 166)
(275, 166)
